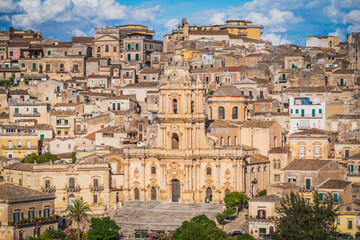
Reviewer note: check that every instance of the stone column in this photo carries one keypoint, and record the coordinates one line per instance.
(127, 177)
(218, 184)
(234, 174)
(143, 165)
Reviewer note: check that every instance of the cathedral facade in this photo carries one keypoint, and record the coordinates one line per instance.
(182, 163)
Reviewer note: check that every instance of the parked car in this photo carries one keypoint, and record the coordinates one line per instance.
(235, 233)
(344, 236)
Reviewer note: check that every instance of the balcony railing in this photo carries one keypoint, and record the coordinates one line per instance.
(27, 114)
(50, 189)
(35, 221)
(353, 173)
(63, 125)
(72, 189)
(98, 188)
(305, 189)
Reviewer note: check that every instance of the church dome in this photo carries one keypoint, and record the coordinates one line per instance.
(227, 90)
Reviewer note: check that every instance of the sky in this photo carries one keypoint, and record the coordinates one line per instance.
(284, 21)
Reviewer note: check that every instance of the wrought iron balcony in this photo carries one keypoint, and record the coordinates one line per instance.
(71, 189)
(97, 188)
(49, 189)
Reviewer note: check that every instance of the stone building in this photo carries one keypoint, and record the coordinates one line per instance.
(18, 203)
(182, 164)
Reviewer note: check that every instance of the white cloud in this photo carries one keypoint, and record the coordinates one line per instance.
(276, 39)
(37, 12)
(78, 33)
(218, 18)
(5, 18)
(7, 6)
(172, 24)
(352, 19)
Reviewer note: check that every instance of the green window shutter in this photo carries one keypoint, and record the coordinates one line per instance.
(34, 66)
(114, 106)
(195, 66)
(320, 111)
(291, 111)
(80, 52)
(202, 66)
(296, 111)
(16, 110)
(42, 136)
(66, 122)
(65, 53)
(278, 109)
(137, 46)
(351, 168)
(336, 197)
(35, 110)
(23, 65)
(118, 106)
(313, 112)
(321, 196)
(144, 77)
(302, 112)
(129, 46)
(11, 53)
(49, 53)
(137, 56)
(129, 57)
(212, 66)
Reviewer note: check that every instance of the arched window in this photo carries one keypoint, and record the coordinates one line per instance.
(175, 141)
(71, 199)
(98, 49)
(192, 107)
(136, 194)
(210, 112)
(252, 169)
(259, 169)
(153, 170)
(208, 171)
(278, 164)
(61, 67)
(221, 113)
(235, 113)
(227, 191)
(274, 163)
(175, 106)
(71, 183)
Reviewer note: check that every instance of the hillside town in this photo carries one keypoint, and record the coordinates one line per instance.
(132, 125)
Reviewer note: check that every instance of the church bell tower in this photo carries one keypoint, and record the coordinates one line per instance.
(181, 110)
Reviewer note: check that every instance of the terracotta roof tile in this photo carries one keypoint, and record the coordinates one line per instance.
(334, 184)
(258, 158)
(11, 191)
(307, 164)
(20, 166)
(257, 124)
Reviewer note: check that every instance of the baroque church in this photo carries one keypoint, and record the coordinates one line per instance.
(182, 163)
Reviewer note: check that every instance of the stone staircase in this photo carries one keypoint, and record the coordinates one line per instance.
(238, 224)
(159, 216)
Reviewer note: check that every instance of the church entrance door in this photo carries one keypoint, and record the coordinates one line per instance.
(209, 194)
(153, 193)
(175, 189)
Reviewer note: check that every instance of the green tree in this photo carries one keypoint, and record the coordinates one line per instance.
(47, 157)
(262, 193)
(300, 220)
(199, 228)
(73, 158)
(79, 213)
(236, 200)
(221, 218)
(11, 29)
(103, 229)
(215, 233)
(245, 236)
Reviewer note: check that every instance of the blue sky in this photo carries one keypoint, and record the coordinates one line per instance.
(284, 21)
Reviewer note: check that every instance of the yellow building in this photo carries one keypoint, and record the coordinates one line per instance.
(346, 222)
(243, 28)
(19, 144)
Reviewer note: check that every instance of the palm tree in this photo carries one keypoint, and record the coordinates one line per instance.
(79, 213)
